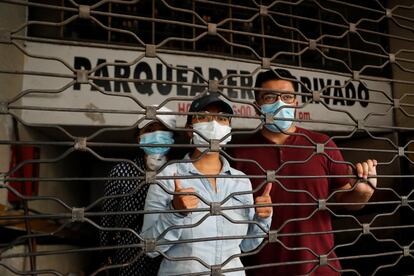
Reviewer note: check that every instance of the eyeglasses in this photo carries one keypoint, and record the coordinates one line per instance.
(206, 117)
(271, 97)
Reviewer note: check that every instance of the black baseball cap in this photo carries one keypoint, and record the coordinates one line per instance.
(201, 103)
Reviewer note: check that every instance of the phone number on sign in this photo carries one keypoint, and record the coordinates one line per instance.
(243, 110)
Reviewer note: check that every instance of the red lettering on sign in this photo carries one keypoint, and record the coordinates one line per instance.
(183, 107)
(304, 116)
(243, 110)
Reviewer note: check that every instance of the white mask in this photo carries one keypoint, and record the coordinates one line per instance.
(210, 130)
(155, 161)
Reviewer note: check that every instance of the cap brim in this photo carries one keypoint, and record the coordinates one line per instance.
(227, 108)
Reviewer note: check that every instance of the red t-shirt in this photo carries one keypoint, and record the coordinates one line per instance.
(293, 254)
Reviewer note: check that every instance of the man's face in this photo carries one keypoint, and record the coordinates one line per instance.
(286, 93)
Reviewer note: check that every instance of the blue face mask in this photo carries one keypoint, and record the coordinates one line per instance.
(285, 113)
(156, 137)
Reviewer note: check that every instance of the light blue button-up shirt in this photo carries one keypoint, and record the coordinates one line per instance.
(202, 225)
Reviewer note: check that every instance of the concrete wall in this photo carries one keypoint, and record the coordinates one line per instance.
(11, 59)
(11, 17)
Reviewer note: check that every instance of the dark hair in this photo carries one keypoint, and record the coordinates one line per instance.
(199, 104)
(276, 74)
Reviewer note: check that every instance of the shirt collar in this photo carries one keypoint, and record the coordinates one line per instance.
(189, 167)
(290, 140)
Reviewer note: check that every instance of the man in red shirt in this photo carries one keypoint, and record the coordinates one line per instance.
(307, 168)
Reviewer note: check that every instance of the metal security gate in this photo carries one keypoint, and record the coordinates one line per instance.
(79, 77)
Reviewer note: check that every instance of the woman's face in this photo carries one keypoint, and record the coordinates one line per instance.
(203, 116)
(152, 127)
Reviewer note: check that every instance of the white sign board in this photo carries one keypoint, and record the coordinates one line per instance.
(126, 84)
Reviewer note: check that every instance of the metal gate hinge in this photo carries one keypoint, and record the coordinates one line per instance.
(150, 50)
(213, 85)
(316, 95)
(149, 245)
(270, 176)
(151, 112)
(323, 260)
(269, 118)
(80, 144)
(78, 214)
(404, 201)
(82, 76)
(406, 251)
(214, 145)
(273, 236)
(355, 75)
(320, 148)
(216, 270)
(392, 58)
(4, 108)
(212, 29)
(84, 11)
(150, 176)
(266, 63)
(263, 11)
(388, 13)
(396, 103)
(361, 125)
(352, 27)
(215, 208)
(312, 44)
(5, 36)
(322, 204)
(365, 228)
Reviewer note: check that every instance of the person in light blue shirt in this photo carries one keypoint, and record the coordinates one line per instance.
(193, 239)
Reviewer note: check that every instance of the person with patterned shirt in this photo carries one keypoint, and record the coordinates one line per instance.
(126, 194)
